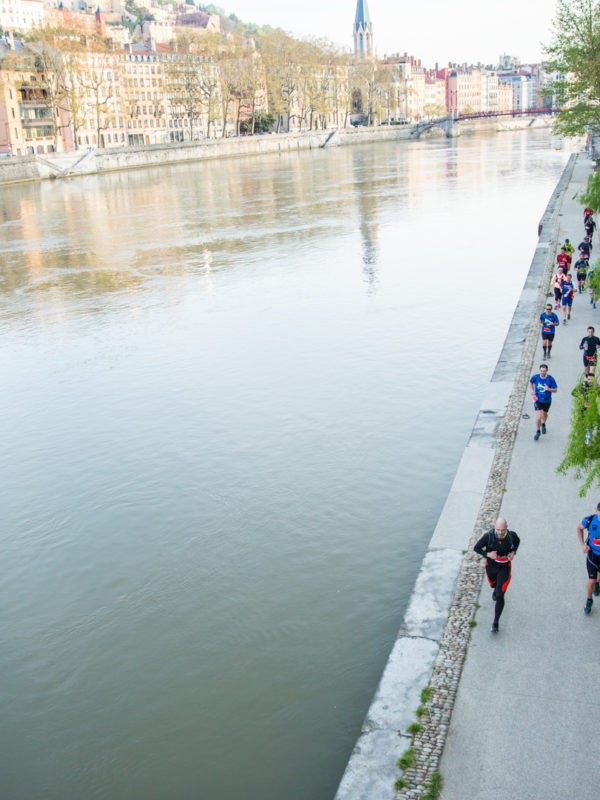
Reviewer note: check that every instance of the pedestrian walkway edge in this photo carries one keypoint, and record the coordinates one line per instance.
(432, 641)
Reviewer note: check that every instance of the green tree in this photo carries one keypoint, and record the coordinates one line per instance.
(594, 280)
(591, 196)
(263, 122)
(575, 55)
(582, 452)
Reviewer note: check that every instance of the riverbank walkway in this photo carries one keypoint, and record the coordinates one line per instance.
(525, 720)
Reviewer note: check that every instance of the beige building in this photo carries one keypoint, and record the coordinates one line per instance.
(505, 97)
(435, 95)
(30, 121)
(419, 93)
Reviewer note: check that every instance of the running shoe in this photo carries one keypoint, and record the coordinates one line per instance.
(537, 436)
(543, 427)
(494, 628)
(588, 606)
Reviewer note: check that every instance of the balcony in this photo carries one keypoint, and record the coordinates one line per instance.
(37, 122)
(38, 103)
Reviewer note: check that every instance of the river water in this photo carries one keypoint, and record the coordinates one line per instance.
(234, 398)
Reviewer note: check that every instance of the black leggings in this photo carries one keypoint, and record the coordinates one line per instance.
(498, 576)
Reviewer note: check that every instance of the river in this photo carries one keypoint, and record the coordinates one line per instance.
(234, 398)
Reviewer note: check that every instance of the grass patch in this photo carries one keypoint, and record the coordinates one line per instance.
(422, 712)
(433, 787)
(407, 759)
(472, 623)
(401, 784)
(426, 694)
(414, 728)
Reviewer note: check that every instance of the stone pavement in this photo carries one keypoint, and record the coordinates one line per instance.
(524, 724)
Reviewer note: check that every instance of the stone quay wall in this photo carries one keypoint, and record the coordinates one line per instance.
(85, 162)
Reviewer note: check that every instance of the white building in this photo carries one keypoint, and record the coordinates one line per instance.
(523, 91)
(21, 15)
(489, 90)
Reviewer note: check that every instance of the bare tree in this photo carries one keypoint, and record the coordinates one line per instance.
(96, 81)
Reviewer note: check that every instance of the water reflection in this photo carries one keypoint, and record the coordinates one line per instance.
(220, 470)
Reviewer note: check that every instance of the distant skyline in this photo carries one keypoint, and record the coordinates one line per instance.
(433, 30)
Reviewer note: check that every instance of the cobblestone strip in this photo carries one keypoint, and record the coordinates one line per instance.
(428, 743)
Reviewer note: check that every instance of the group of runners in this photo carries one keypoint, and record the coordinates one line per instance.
(499, 545)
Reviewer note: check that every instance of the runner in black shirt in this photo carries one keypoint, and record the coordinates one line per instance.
(590, 225)
(498, 546)
(585, 247)
(589, 345)
(581, 265)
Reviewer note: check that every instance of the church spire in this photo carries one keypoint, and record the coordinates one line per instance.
(363, 30)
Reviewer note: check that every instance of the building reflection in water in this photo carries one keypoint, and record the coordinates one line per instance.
(88, 238)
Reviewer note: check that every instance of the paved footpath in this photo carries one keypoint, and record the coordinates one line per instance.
(526, 718)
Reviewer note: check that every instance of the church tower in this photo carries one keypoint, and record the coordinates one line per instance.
(363, 31)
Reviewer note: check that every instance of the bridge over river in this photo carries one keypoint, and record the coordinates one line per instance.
(450, 124)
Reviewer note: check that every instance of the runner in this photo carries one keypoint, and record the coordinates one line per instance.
(563, 259)
(581, 266)
(590, 226)
(591, 548)
(585, 247)
(556, 283)
(498, 546)
(568, 247)
(587, 212)
(548, 323)
(589, 344)
(568, 292)
(542, 388)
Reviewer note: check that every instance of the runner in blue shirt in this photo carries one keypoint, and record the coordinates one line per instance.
(542, 388)
(548, 323)
(591, 547)
(568, 292)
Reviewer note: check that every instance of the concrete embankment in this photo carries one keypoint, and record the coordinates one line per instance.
(64, 165)
(433, 639)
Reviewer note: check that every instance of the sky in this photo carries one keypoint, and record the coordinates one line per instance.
(440, 31)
